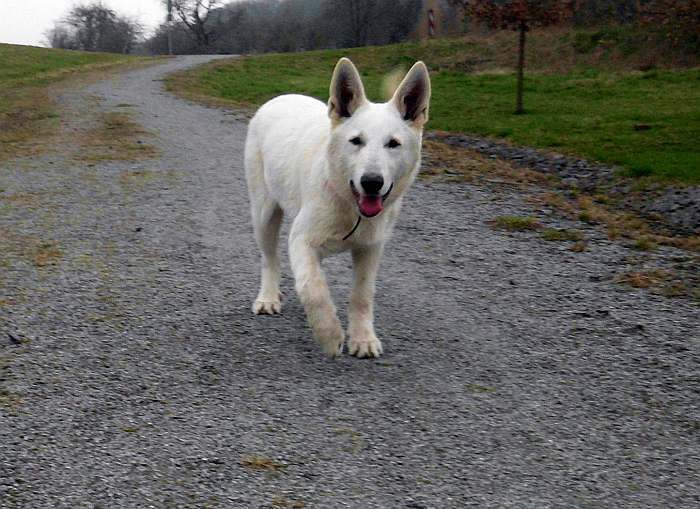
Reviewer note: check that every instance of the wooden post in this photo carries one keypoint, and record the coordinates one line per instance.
(169, 21)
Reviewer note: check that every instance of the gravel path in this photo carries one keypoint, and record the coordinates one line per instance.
(517, 374)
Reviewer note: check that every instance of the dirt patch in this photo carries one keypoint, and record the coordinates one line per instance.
(30, 116)
(115, 137)
(39, 252)
(261, 463)
(663, 282)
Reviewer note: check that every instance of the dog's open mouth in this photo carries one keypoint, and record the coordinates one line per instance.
(370, 205)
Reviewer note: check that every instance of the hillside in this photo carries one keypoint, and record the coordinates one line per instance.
(599, 94)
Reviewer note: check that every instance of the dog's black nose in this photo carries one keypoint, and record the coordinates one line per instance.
(372, 183)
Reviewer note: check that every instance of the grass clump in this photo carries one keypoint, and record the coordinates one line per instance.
(516, 223)
(560, 234)
(289, 504)
(9, 399)
(644, 244)
(579, 247)
(47, 253)
(663, 282)
(479, 389)
(643, 279)
(261, 463)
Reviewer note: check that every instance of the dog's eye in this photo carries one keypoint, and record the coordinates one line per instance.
(356, 141)
(393, 143)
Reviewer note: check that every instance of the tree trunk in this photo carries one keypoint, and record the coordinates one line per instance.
(521, 69)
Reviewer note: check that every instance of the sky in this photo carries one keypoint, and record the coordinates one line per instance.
(26, 21)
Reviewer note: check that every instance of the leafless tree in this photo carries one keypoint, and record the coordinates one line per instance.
(195, 15)
(95, 27)
(256, 26)
(351, 18)
(60, 37)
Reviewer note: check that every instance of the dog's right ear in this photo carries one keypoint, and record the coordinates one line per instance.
(346, 93)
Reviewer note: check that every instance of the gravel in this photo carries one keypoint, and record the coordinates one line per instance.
(517, 373)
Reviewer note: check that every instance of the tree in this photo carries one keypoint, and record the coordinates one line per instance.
(256, 26)
(95, 27)
(60, 37)
(195, 14)
(677, 20)
(599, 12)
(352, 18)
(519, 15)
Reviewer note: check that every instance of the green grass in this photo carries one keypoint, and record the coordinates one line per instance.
(26, 72)
(516, 223)
(560, 234)
(584, 108)
(28, 65)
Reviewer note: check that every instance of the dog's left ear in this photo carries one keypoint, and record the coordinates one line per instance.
(412, 98)
(347, 93)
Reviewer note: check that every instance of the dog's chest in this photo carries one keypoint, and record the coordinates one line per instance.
(366, 233)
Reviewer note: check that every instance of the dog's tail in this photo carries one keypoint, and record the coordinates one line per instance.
(391, 82)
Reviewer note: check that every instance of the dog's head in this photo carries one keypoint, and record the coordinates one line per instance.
(374, 149)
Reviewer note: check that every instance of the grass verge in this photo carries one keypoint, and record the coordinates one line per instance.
(27, 111)
(580, 102)
(638, 232)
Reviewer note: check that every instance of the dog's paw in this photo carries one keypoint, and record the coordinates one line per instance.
(267, 307)
(365, 346)
(331, 339)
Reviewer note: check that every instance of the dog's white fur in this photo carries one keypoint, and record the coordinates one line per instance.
(300, 160)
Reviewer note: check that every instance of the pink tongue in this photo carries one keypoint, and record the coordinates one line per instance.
(370, 205)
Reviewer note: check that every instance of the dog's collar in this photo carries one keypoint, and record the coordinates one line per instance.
(329, 185)
(359, 218)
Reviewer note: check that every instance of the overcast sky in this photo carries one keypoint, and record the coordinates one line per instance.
(26, 21)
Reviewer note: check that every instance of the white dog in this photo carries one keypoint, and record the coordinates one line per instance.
(340, 171)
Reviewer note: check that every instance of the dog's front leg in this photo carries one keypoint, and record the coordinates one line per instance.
(313, 291)
(363, 342)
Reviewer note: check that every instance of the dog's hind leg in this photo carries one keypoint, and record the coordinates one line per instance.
(267, 218)
(267, 227)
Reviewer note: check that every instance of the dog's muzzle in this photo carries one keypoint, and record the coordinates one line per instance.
(370, 205)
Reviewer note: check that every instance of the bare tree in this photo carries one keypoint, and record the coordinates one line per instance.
(195, 14)
(95, 27)
(256, 26)
(351, 19)
(521, 16)
(60, 37)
